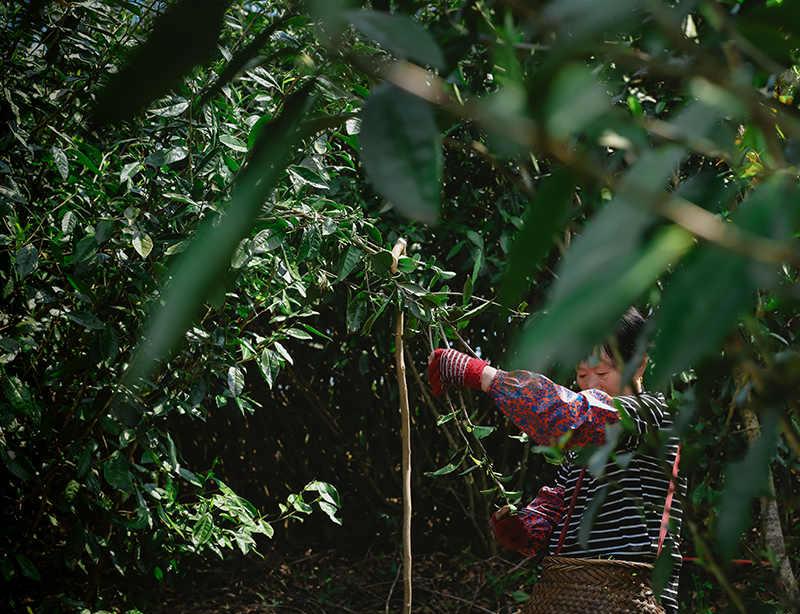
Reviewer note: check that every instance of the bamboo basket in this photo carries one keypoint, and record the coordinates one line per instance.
(593, 586)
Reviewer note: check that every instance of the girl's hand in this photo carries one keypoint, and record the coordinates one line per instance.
(453, 368)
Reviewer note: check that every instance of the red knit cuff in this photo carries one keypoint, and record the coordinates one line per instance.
(472, 376)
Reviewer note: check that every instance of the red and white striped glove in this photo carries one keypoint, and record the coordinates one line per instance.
(453, 368)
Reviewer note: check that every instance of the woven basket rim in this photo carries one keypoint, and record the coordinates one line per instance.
(574, 561)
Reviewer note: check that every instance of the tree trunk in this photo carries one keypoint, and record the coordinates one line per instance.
(771, 520)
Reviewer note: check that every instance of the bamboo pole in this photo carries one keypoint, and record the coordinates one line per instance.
(405, 436)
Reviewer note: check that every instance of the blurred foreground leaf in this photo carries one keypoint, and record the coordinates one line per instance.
(606, 269)
(689, 327)
(399, 34)
(545, 215)
(401, 151)
(183, 36)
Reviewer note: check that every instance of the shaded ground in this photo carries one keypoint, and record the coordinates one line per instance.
(325, 581)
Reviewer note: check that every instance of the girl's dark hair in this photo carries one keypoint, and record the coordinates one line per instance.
(626, 335)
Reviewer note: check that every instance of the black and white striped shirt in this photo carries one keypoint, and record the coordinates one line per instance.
(627, 523)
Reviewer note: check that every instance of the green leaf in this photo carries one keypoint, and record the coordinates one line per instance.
(331, 510)
(231, 141)
(356, 311)
(406, 264)
(184, 34)
(662, 570)
(172, 110)
(202, 530)
(164, 157)
(265, 364)
(129, 171)
(447, 469)
(26, 260)
(544, 217)
(62, 164)
(413, 289)
(400, 34)
(382, 261)
(350, 260)
(481, 432)
(68, 222)
(401, 151)
(297, 333)
(143, 244)
(327, 491)
(116, 471)
(86, 319)
(283, 352)
(27, 567)
(445, 418)
(235, 381)
(198, 270)
(599, 458)
(635, 106)
(520, 597)
(304, 175)
(265, 241)
(17, 464)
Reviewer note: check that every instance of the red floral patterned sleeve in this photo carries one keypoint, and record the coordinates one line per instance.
(528, 530)
(546, 411)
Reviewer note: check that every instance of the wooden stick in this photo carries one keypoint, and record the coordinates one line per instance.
(405, 435)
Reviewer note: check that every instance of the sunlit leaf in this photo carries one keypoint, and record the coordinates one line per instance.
(62, 164)
(234, 143)
(143, 244)
(235, 381)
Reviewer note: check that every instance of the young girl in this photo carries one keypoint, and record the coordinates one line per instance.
(628, 524)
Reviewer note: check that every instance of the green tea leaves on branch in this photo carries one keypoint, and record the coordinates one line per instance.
(203, 264)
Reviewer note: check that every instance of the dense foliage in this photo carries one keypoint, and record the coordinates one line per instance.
(198, 200)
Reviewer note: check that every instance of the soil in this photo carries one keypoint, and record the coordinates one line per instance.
(325, 581)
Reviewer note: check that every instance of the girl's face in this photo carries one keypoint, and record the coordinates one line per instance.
(600, 373)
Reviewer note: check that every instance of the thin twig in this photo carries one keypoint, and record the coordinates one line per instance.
(391, 588)
(405, 434)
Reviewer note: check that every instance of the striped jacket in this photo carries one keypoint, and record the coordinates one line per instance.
(628, 498)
